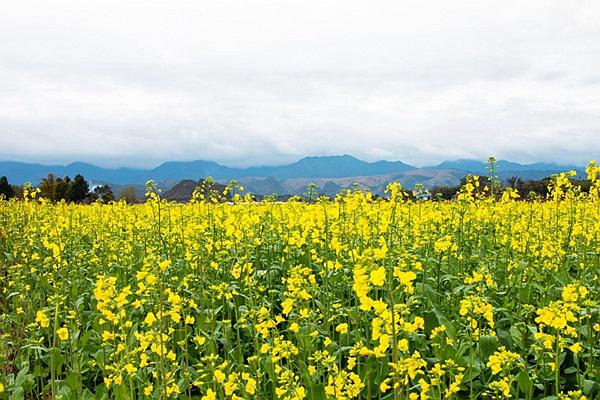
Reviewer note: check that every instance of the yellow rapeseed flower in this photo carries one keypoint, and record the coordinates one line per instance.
(63, 333)
(342, 328)
(575, 348)
(42, 319)
(210, 395)
(377, 276)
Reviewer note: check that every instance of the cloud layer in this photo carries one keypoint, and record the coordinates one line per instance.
(266, 82)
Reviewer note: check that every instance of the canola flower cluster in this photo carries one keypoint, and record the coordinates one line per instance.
(352, 298)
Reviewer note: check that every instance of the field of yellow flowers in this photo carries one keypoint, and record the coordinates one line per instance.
(356, 298)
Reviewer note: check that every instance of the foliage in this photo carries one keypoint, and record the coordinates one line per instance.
(78, 189)
(128, 194)
(104, 193)
(6, 190)
(57, 189)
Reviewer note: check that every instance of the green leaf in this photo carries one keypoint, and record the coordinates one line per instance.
(64, 392)
(471, 374)
(17, 394)
(516, 336)
(450, 331)
(589, 386)
(524, 382)
(72, 380)
(21, 376)
(523, 294)
(431, 321)
(487, 346)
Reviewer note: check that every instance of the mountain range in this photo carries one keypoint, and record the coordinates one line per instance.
(330, 173)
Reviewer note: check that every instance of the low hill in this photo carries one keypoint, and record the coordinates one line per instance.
(332, 186)
(182, 191)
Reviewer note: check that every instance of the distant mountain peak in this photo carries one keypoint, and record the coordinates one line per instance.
(310, 167)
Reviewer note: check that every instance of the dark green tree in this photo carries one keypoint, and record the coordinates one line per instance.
(105, 193)
(6, 190)
(47, 186)
(61, 188)
(78, 190)
(444, 192)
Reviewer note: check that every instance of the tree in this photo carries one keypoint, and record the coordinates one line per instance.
(78, 190)
(129, 194)
(444, 192)
(47, 186)
(514, 182)
(61, 188)
(18, 191)
(105, 193)
(6, 190)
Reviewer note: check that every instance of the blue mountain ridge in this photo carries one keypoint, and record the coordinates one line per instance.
(314, 167)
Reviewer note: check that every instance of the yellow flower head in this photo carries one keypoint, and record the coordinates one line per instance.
(377, 276)
(63, 333)
(342, 328)
(210, 395)
(42, 319)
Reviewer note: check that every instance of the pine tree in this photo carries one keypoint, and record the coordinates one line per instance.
(78, 190)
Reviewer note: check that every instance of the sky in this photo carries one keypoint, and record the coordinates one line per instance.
(256, 82)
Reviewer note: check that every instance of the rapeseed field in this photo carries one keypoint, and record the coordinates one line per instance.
(482, 297)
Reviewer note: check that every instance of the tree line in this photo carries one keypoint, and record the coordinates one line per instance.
(529, 188)
(76, 190)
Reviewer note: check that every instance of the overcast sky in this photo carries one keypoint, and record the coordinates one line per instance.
(265, 82)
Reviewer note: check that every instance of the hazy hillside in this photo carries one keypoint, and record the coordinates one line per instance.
(375, 183)
(507, 169)
(330, 167)
(330, 173)
(182, 191)
(308, 167)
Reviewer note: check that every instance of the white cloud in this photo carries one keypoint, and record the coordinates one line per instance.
(262, 82)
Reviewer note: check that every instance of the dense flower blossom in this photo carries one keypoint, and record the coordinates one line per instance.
(355, 297)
